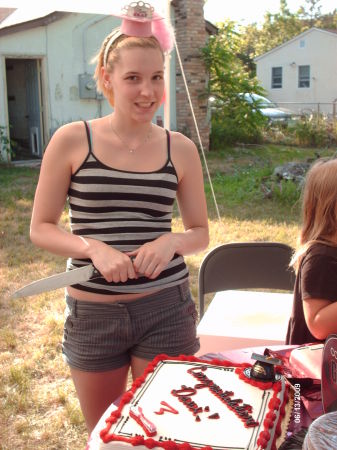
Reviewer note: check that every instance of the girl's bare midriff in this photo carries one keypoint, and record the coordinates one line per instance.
(101, 298)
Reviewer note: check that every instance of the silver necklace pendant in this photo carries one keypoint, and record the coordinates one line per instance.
(132, 150)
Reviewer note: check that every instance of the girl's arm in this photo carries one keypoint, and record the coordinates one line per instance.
(320, 316)
(64, 154)
(191, 199)
(51, 193)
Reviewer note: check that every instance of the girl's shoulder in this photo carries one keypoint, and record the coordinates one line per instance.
(68, 144)
(321, 251)
(71, 132)
(182, 145)
(180, 139)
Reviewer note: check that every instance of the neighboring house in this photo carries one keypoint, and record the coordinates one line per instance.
(301, 74)
(46, 73)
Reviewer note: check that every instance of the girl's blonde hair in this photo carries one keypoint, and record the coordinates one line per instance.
(319, 208)
(113, 56)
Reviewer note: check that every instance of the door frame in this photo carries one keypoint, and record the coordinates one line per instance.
(42, 92)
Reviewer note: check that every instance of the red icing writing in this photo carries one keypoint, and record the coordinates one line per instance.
(168, 408)
(184, 391)
(214, 416)
(243, 410)
(186, 400)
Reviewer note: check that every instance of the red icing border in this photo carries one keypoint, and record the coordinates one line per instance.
(264, 436)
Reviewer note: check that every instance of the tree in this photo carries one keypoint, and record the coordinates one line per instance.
(233, 118)
(279, 28)
(275, 30)
(313, 13)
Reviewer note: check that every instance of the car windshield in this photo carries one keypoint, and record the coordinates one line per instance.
(262, 102)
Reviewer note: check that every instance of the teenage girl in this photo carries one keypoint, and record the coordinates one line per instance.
(121, 175)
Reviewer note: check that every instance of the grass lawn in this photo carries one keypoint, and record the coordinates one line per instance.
(38, 405)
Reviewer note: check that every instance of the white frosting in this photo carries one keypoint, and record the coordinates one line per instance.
(227, 432)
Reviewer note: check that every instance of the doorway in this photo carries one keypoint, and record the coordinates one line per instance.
(24, 97)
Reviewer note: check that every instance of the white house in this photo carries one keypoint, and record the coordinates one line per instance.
(301, 74)
(46, 71)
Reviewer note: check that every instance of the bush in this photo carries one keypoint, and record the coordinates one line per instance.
(316, 131)
(226, 130)
(7, 145)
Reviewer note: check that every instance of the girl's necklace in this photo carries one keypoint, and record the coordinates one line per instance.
(132, 149)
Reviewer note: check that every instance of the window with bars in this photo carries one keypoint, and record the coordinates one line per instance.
(276, 77)
(303, 76)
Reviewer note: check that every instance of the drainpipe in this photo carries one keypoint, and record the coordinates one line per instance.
(96, 20)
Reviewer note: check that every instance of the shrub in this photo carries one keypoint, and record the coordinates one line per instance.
(315, 131)
(227, 129)
(7, 145)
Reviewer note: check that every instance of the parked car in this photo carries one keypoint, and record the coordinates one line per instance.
(268, 108)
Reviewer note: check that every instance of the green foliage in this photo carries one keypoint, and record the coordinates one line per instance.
(233, 119)
(280, 27)
(227, 130)
(6, 145)
(286, 192)
(245, 183)
(316, 131)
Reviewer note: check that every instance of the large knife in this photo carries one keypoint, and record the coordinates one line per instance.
(57, 281)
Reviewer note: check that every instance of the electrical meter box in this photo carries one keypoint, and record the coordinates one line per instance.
(87, 86)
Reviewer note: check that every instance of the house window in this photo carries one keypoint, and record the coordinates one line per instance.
(304, 76)
(276, 77)
(302, 43)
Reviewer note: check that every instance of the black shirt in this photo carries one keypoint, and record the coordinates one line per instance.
(316, 278)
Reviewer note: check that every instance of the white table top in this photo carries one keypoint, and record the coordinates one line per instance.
(236, 319)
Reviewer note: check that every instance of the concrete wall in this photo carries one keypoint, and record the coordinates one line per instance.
(315, 48)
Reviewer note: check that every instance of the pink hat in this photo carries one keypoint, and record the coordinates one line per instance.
(140, 20)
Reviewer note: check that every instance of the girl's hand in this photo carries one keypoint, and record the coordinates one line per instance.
(114, 265)
(153, 257)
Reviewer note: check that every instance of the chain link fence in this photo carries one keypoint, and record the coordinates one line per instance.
(328, 109)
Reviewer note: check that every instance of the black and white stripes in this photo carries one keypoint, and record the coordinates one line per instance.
(124, 210)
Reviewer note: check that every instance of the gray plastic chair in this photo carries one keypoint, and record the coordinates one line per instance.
(245, 265)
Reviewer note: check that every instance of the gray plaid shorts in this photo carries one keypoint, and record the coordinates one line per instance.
(103, 336)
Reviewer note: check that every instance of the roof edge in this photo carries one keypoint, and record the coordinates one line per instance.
(257, 58)
(34, 23)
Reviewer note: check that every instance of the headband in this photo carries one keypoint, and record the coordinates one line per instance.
(140, 20)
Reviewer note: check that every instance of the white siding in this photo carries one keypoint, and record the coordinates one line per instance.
(66, 48)
(315, 48)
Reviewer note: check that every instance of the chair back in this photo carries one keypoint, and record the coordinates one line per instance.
(246, 265)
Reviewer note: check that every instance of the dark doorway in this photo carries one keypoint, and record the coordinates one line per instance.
(25, 107)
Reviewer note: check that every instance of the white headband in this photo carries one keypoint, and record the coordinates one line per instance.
(112, 39)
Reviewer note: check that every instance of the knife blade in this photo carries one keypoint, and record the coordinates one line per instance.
(58, 281)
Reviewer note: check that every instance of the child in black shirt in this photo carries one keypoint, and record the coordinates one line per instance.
(314, 314)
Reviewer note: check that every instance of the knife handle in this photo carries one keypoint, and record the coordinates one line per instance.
(95, 274)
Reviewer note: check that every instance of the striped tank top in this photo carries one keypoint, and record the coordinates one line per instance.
(125, 210)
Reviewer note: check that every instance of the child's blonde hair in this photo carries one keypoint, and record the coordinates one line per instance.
(113, 55)
(319, 207)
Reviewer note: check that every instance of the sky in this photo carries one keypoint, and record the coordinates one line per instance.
(241, 11)
(249, 11)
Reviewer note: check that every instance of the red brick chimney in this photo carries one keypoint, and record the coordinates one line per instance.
(191, 36)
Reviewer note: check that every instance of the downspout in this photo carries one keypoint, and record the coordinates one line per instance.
(96, 20)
